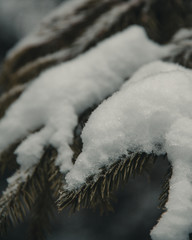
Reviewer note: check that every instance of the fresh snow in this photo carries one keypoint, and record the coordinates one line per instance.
(150, 113)
(56, 98)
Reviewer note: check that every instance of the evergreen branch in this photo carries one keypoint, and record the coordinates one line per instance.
(22, 193)
(41, 215)
(62, 37)
(28, 62)
(17, 200)
(43, 210)
(59, 39)
(43, 183)
(98, 193)
(55, 179)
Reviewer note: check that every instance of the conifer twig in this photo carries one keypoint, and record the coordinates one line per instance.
(98, 192)
(23, 191)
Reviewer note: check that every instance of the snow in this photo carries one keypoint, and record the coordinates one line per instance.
(177, 222)
(150, 113)
(56, 98)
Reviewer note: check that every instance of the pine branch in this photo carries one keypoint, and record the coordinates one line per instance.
(45, 183)
(23, 192)
(42, 212)
(27, 62)
(87, 13)
(94, 193)
(41, 215)
(17, 200)
(56, 180)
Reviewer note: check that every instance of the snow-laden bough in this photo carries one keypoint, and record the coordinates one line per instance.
(56, 98)
(151, 113)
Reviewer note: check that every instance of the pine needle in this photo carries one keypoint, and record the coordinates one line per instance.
(42, 212)
(21, 195)
(98, 193)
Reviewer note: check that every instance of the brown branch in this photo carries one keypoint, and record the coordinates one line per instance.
(30, 62)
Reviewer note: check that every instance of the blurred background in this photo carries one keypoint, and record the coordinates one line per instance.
(20, 17)
(136, 205)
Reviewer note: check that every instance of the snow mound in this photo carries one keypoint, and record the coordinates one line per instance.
(150, 113)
